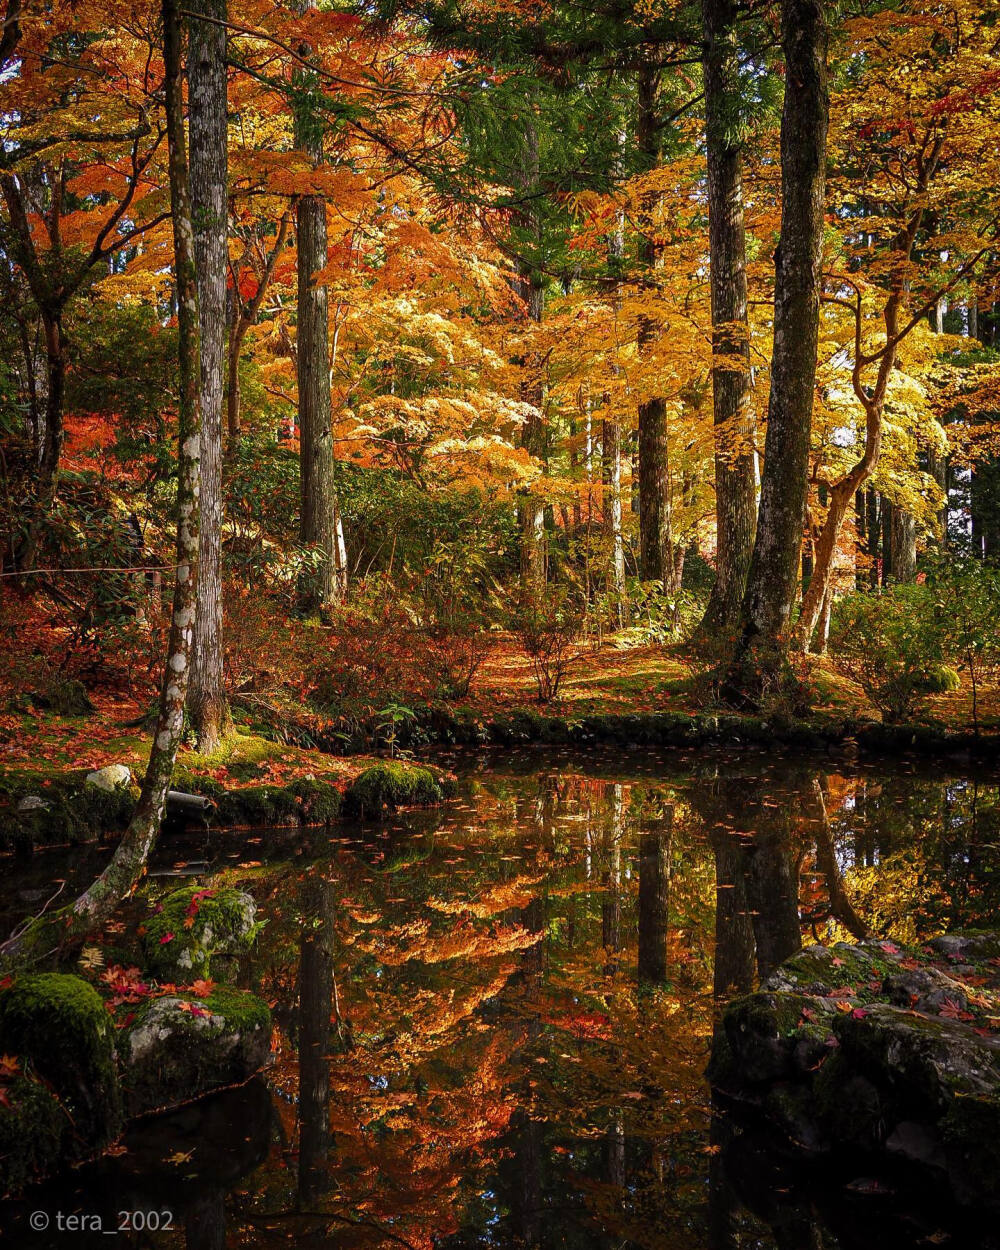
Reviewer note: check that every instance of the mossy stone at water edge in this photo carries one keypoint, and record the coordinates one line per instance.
(879, 1055)
(34, 1128)
(194, 924)
(60, 1025)
(63, 809)
(390, 785)
(178, 1048)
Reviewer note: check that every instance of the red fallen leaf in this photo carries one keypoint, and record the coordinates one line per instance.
(6, 982)
(890, 948)
(952, 1011)
(837, 962)
(167, 937)
(982, 1032)
(844, 991)
(844, 1007)
(203, 988)
(858, 1013)
(808, 1013)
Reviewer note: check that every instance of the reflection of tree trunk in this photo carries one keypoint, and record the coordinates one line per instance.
(315, 1005)
(840, 905)
(723, 1205)
(528, 1202)
(654, 900)
(205, 1222)
(611, 907)
(734, 940)
(773, 895)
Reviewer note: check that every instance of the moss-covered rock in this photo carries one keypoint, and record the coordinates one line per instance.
(319, 801)
(67, 810)
(178, 1048)
(391, 785)
(34, 1127)
(61, 1025)
(192, 926)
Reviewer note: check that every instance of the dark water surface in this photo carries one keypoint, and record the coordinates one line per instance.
(492, 1022)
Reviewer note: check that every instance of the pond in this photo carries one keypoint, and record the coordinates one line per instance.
(492, 1021)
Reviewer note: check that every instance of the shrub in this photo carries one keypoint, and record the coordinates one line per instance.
(968, 604)
(547, 624)
(891, 644)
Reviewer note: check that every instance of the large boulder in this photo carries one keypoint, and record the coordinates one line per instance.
(194, 925)
(877, 1051)
(177, 1048)
(390, 785)
(66, 1101)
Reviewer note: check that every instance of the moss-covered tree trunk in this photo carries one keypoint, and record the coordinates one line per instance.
(735, 468)
(44, 936)
(207, 96)
(327, 586)
(774, 565)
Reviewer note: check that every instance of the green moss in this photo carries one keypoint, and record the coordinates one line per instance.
(258, 805)
(33, 1129)
(319, 801)
(222, 923)
(61, 1024)
(74, 812)
(390, 785)
(971, 1134)
(177, 1049)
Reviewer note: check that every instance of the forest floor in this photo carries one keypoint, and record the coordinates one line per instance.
(607, 680)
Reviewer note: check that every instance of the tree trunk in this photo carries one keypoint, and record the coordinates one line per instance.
(328, 586)
(531, 510)
(655, 551)
(46, 935)
(655, 530)
(903, 537)
(611, 458)
(774, 564)
(208, 706)
(735, 472)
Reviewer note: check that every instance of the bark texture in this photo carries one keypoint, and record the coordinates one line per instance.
(656, 561)
(735, 468)
(208, 706)
(318, 522)
(774, 564)
(42, 937)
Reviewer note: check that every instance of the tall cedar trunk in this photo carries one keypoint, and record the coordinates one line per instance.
(611, 471)
(611, 449)
(50, 298)
(903, 536)
(735, 472)
(655, 527)
(774, 564)
(208, 706)
(531, 510)
(328, 585)
(47, 934)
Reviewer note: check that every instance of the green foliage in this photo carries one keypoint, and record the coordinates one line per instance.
(891, 644)
(968, 608)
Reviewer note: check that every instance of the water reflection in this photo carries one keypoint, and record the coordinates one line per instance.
(493, 1021)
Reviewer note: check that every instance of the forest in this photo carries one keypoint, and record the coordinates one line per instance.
(429, 425)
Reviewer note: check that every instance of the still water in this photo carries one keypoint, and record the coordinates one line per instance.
(492, 1022)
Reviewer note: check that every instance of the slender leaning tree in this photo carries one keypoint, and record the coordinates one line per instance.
(44, 936)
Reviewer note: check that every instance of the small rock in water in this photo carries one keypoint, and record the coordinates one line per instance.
(33, 803)
(110, 778)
